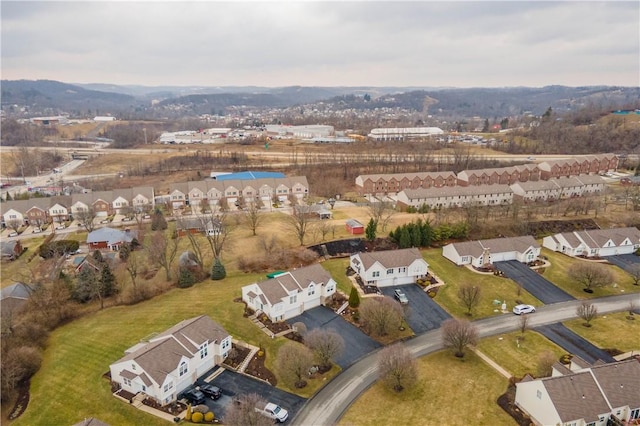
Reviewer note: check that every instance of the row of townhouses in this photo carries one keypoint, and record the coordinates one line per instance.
(211, 192)
(498, 194)
(390, 184)
(38, 211)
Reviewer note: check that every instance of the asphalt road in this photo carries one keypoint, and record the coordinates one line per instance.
(328, 405)
(422, 312)
(573, 343)
(624, 261)
(533, 282)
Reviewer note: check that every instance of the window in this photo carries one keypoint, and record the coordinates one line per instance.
(184, 368)
(126, 381)
(133, 367)
(225, 343)
(293, 299)
(389, 271)
(144, 388)
(204, 350)
(539, 394)
(329, 289)
(311, 291)
(168, 386)
(375, 274)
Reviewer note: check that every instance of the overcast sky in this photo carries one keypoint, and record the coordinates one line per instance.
(366, 43)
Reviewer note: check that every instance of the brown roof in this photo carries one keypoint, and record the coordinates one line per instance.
(576, 397)
(91, 422)
(391, 258)
(620, 382)
(279, 287)
(453, 191)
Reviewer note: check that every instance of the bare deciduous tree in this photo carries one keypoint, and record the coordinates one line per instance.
(381, 212)
(293, 362)
(457, 334)
(299, 222)
(242, 412)
(253, 217)
(396, 367)
(86, 217)
(162, 251)
(381, 314)
(14, 224)
(545, 364)
(325, 344)
(469, 294)
(587, 311)
(634, 270)
(590, 274)
(524, 324)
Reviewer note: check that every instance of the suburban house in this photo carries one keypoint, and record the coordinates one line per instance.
(10, 249)
(483, 253)
(194, 225)
(109, 238)
(389, 267)
(458, 196)
(12, 299)
(583, 394)
(171, 361)
(354, 227)
(12, 217)
(595, 242)
(290, 293)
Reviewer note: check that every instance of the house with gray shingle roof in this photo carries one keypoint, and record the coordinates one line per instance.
(173, 360)
(109, 238)
(457, 196)
(481, 253)
(583, 395)
(389, 267)
(12, 299)
(291, 293)
(595, 242)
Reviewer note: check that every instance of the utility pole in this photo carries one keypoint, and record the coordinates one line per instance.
(144, 129)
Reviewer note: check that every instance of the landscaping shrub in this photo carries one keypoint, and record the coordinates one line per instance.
(354, 298)
(208, 417)
(187, 278)
(197, 417)
(218, 272)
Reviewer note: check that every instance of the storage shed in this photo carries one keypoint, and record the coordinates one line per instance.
(354, 227)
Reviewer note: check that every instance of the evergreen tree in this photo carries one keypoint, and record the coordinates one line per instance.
(158, 222)
(405, 238)
(354, 298)
(186, 278)
(87, 281)
(218, 271)
(370, 231)
(107, 281)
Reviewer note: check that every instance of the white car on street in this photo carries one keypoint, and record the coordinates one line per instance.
(523, 309)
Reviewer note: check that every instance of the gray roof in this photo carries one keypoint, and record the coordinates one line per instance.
(620, 382)
(353, 223)
(91, 422)
(576, 396)
(16, 291)
(390, 258)
(451, 191)
(110, 235)
(8, 247)
(599, 237)
(411, 176)
(496, 245)
(279, 287)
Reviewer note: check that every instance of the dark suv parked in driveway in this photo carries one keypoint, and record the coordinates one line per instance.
(211, 391)
(194, 396)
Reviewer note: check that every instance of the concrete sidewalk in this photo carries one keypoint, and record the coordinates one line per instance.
(493, 364)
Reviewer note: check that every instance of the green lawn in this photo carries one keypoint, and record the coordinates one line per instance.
(610, 331)
(70, 387)
(337, 269)
(557, 274)
(518, 357)
(449, 392)
(493, 288)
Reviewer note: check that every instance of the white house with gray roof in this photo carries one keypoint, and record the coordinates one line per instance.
(173, 360)
(457, 196)
(291, 293)
(389, 267)
(595, 242)
(583, 395)
(482, 253)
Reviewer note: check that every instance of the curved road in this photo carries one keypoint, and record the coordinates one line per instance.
(328, 405)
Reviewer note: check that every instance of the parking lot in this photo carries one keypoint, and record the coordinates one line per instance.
(422, 313)
(533, 282)
(235, 384)
(624, 261)
(573, 344)
(357, 344)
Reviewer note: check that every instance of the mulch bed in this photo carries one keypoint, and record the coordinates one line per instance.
(236, 356)
(506, 402)
(257, 368)
(21, 402)
(274, 327)
(174, 408)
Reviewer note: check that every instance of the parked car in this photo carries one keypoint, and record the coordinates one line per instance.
(61, 226)
(402, 298)
(274, 412)
(523, 309)
(36, 230)
(211, 391)
(13, 234)
(194, 396)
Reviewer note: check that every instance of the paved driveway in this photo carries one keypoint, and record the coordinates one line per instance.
(573, 343)
(624, 261)
(233, 384)
(357, 344)
(533, 282)
(422, 313)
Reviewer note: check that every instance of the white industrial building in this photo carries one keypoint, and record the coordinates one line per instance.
(402, 133)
